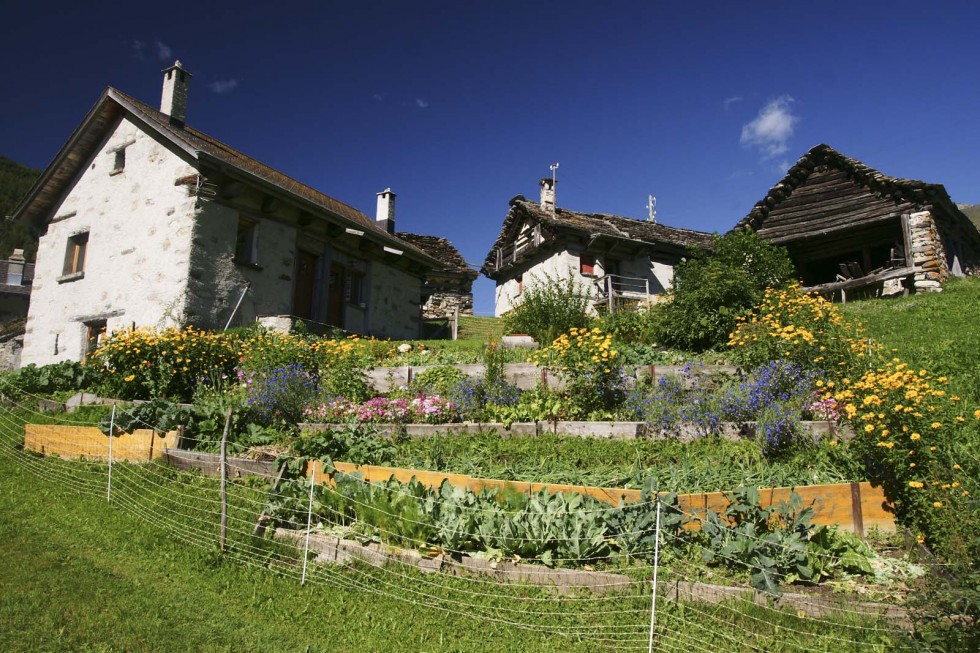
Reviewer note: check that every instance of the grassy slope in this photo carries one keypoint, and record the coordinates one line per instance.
(936, 331)
(81, 575)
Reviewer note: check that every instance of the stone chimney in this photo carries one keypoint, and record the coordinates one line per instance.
(548, 194)
(174, 100)
(386, 210)
(15, 268)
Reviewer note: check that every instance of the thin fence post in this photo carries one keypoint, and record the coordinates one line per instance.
(656, 562)
(112, 428)
(224, 482)
(309, 521)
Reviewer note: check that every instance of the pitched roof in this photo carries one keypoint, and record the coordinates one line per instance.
(50, 185)
(597, 225)
(824, 186)
(441, 249)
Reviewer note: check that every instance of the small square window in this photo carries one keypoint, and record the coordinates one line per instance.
(75, 254)
(354, 287)
(245, 241)
(119, 164)
(586, 264)
(94, 333)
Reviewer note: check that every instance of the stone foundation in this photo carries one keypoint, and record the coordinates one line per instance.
(444, 304)
(928, 255)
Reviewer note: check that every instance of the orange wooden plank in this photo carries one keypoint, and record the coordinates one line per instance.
(832, 504)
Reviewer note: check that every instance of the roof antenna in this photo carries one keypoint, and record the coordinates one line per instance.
(652, 209)
(554, 173)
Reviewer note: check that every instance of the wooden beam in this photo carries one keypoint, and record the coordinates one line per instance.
(851, 284)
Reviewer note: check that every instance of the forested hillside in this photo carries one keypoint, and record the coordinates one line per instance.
(15, 181)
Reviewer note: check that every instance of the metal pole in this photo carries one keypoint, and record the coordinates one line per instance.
(112, 428)
(232, 316)
(309, 521)
(224, 482)
(656, 561)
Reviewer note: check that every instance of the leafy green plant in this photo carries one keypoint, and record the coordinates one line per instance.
(354, 443)
(550, 306)
(710, 290)
(68, 376)
(436, 380)
(777, 544)
(157, 414)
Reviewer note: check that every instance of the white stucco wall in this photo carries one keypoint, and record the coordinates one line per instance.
(138, 251)
(562, 264)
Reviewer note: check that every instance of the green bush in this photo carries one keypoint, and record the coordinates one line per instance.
(436, 380)
(549, 307)
(66, 376)
(710, 291)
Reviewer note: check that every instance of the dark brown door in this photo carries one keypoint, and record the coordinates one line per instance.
(335, 296)
(305, 282)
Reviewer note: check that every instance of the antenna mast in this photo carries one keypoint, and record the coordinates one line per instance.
(652, 209)
(554, 173)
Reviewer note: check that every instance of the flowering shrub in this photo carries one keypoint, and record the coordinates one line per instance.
(774, 395)
(803, 328)
(271, 349)
(423, 409)
(278, 394)
(340, 364)
(589, 365)
(146, 363)
(475, 397)
(908, 426)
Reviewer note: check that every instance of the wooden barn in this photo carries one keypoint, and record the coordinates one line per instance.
(851, 229)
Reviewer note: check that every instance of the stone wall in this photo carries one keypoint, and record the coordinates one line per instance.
(137, 256)
(928, 255)
(217, 279)
(445, 304)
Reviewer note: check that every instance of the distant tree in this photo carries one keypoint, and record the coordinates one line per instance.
(710, 290)
(15, 181)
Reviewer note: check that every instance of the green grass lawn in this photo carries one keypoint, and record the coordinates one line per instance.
(936, 331)
(143, 574)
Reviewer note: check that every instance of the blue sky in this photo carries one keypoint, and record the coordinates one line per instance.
(459, 106)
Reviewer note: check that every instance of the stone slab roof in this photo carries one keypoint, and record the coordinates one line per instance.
(826, 191)
(49, 187)
(597, 225)
(440, 249)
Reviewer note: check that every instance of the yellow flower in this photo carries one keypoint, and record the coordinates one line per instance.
(935, 425)
(915, 484)
(915, 436)
(920, 538)
(129, 378)
(937, 504)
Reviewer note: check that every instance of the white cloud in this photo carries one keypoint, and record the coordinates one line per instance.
(163, 50)
(223, 86)
(138, 49)
(422, 104)
(729, 101)
(772, 128)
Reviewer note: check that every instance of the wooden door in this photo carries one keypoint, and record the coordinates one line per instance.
(305, 283)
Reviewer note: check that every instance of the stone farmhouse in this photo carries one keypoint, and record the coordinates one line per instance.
(146, 221)
(617, 258)
(450, 288)
(849, 228)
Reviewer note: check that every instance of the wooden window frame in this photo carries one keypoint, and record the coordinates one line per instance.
(586, 265)
(246, 241)
(94, 332)
(75, 254)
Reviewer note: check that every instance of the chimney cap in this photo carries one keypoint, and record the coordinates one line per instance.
(386, 191)
(177, 66)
